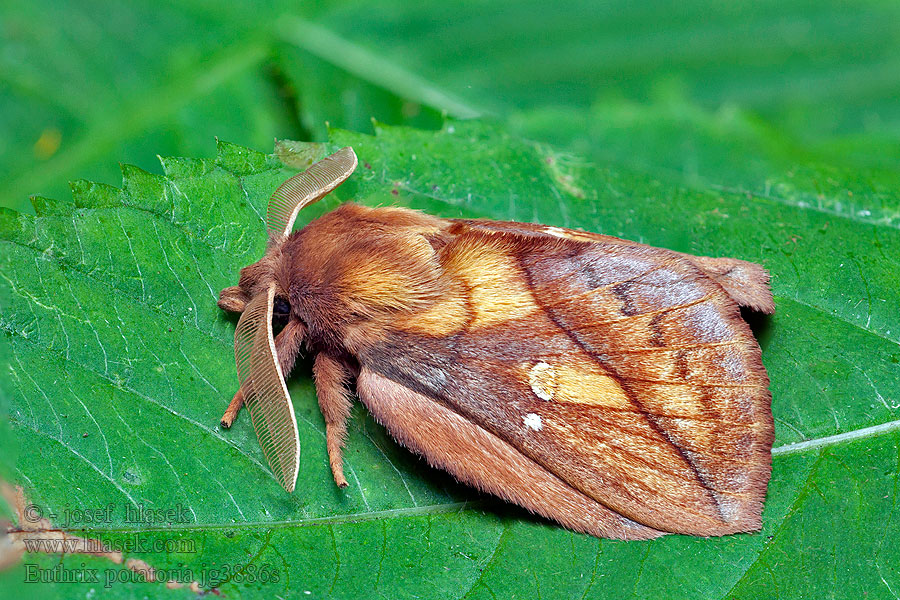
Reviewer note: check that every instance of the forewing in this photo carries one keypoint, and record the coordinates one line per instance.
(623, 369)
(265, 393)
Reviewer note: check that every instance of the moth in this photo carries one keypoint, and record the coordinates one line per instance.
(608, 385)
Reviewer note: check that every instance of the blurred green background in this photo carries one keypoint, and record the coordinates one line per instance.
(738, 89)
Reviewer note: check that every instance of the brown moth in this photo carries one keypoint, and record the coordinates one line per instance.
(608, 385)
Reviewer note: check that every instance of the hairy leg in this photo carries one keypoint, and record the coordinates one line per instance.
(334, 402)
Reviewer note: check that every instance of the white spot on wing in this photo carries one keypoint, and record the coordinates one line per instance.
(542, 378)
(533, 421)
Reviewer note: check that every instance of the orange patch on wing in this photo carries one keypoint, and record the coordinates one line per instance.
(447, 316)
(575, 379)
(497, 288)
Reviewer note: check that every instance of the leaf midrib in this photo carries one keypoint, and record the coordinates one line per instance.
(339, 519)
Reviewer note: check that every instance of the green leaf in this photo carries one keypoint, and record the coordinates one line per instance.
(75, 100)
(119, 367)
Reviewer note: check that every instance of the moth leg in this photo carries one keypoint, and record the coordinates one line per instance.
(334, 401)
(234, 407)
(287, 347)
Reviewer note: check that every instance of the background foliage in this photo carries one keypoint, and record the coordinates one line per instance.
(767, 131)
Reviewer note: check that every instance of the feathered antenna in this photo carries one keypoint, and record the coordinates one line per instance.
(305, 188)
(264, 390)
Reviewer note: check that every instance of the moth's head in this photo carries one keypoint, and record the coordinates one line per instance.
(260, 297)
(254, 279)
(291, 196)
